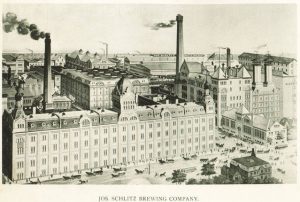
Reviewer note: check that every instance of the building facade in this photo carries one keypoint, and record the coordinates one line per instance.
(230, 88)
(256, 128)
(86, 60)
(286, 85)
(93, 89)
(55, 144)
(18, 65)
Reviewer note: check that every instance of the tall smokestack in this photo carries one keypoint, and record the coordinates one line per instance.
(268, 71)
(256, 74)
(47, 74)
(179, 45)
(106, 51)
(228, 57)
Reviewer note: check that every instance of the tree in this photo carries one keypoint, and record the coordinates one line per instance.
(178, 176)
(206, 181)
(250, 180)
(192, 181)
(221, 179)
(208, 169)
(271, 180)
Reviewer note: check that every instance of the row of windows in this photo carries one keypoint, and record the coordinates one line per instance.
(105, 153)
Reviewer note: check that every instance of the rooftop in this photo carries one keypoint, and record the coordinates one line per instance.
(261, 57)
(250, 161)
(193, 66)
(112, 74)
(259, 121)
(230, 113)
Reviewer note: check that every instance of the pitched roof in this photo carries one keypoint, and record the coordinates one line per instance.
(250, 161)
(242, 110)
(243, 73)
(194, 67)
(160, 65)
(219, 74)
(259, 121)
(230, 113)
(260, 57)
(9, 58)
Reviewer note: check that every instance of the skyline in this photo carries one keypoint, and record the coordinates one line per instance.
(205, 27)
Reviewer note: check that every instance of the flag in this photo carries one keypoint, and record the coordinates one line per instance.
(212, 56)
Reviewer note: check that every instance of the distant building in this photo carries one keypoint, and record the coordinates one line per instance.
(256, 128)
(58, 59)
(162, 58)
(93, 88)
(139, 69)
(17, 64)
(86, 60)
(167, 68)
(247, 168)
(33, 88)
(282, 64)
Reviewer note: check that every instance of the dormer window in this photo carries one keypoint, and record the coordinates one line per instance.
(65, 122)
(32, 125)
(75, 121)
(43, 124)
(54, 123)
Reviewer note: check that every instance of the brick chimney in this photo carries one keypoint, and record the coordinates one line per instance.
(268, 71)
(47, 103)
(256, 74)
(228, 61)
(179, 45)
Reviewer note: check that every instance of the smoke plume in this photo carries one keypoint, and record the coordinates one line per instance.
(157, 26)
(11, 23)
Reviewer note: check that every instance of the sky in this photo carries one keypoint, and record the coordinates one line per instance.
(124, 27)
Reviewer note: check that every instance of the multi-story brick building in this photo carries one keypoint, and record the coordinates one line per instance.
(230, 88)
(51, 144)
(93, 88)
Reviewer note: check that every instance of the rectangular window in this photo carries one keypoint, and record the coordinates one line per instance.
(86, 143)
(65, 146)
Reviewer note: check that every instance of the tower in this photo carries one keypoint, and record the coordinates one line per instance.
(208, 100)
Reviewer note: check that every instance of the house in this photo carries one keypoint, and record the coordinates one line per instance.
(246, 168)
